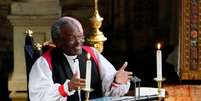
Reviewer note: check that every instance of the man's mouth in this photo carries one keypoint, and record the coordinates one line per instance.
(78, 47)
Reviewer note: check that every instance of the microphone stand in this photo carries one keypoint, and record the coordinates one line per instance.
(136, 82)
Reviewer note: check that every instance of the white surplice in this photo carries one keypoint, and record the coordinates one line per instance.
(42, 87)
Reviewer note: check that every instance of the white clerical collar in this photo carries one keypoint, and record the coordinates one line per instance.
(70, 57)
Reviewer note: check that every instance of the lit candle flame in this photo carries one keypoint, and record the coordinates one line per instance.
(158, 45)
(88, 56)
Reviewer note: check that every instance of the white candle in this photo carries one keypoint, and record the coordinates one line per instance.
(88, 72)
(159, 62)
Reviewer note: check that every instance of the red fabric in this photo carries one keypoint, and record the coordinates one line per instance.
(47, 56)
(88, 49)
(115, 85)
(91, 52)
(62, 91)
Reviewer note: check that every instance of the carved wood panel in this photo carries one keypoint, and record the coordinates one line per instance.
(190, 40)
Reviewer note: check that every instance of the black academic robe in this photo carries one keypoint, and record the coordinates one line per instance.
(61, 71)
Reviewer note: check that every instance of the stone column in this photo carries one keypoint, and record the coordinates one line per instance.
(36, 15)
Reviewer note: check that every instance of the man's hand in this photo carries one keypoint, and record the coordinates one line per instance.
(122, 76)
(76, 83)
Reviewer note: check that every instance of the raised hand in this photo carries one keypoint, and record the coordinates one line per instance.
(123, 76)
(76, 83)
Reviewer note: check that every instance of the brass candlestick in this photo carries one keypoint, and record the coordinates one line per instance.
(87, 93)
(159, 84)
(96, 38)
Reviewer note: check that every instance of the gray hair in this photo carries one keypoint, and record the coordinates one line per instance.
(67, 21)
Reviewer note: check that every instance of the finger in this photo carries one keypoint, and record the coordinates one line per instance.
(79, 85)
(79, 81)
(82, 80)
(124, 65)
(130, 73)
(130, 77)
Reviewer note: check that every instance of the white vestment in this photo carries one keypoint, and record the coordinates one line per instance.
(42, 87)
